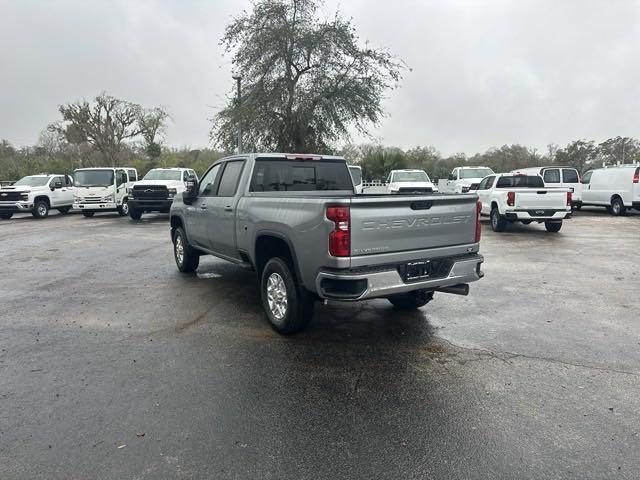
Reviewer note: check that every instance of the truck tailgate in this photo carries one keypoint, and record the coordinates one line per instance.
(527, 198)
(396, 223)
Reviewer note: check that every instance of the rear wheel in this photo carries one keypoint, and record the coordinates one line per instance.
(135, 213)
(40, 209)
(411, 300)
(88, 213)
(64, 210)
(123, 209)
(498, 223)
(617, 206)
(187, 259)
(288, 306)
(6, 216)
(552, 227)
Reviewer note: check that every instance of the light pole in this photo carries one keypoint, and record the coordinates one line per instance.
(238, 79)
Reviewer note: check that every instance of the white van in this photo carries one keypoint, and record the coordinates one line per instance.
(557, 176)
(616, 188)
(102, 190)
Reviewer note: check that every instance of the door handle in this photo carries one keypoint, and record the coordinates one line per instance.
(228, 208)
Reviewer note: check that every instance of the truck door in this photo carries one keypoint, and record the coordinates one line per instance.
(121, 185)
(221, 215)
(196, 212)
(56, 196)
(484, 194)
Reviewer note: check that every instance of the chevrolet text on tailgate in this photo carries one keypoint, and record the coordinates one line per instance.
(297, 222)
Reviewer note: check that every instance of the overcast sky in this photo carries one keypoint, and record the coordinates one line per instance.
(484, 72)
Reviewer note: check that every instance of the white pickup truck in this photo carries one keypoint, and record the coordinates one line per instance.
(37, 194)
(509, 198)
(463, 179)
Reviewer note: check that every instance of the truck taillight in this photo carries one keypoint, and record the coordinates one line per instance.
(340, 237)
(511, 198)
(569, 198)
(478, 226)
(636, 176)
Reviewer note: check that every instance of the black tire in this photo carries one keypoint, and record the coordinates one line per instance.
(553, 227)
(88, 213)
(617, 206)
(411, 300)
(123, 209)
(578, 207)
(187, 259)
(6, 216)
(40, 209)
(64, 210)
(498, 222)
(277, 283)
(135, 213)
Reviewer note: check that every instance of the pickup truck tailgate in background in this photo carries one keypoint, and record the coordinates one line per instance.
(400, 223)
(527, 198)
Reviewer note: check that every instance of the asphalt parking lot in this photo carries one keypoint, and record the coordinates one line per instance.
(113, 365)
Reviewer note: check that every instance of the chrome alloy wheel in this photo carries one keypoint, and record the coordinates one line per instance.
(277, 296)
(42, 209)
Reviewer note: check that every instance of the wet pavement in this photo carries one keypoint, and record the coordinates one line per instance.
(114, 365)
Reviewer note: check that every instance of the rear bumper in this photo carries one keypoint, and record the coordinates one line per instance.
(151, 205)
(349, 285)
(15, 207)
(537, 214)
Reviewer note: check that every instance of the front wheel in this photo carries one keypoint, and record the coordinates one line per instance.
(123, 209)
(411, 300)
(553, 227)
(40, 209)
(288, 307)
(135, 213)
(187, 259)
(498, 223)
(88, 213)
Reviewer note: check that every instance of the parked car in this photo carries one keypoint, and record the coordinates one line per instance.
(409, 181)
(556, 176)
(356, 176)
(510, 197)
(616, 188)
(103, 190)
(156, 190)
(297, 222)
(463, 179)
(37, 194)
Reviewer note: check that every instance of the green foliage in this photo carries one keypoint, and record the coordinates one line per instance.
(306, 81)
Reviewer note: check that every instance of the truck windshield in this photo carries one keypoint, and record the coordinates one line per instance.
(475, 172)
(522, 181)
(356, 174)
(161, 174)
(33, 181)
(300, 175)
(417, 176)
(93, 178)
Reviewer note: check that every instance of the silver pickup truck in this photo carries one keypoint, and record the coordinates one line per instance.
(297, 222)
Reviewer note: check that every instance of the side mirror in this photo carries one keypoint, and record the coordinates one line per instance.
(56, 185)
(191, 189)
(452, 177)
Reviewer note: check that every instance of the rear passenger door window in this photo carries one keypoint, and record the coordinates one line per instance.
(551, 175)
(229, 180)
(569, 175)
